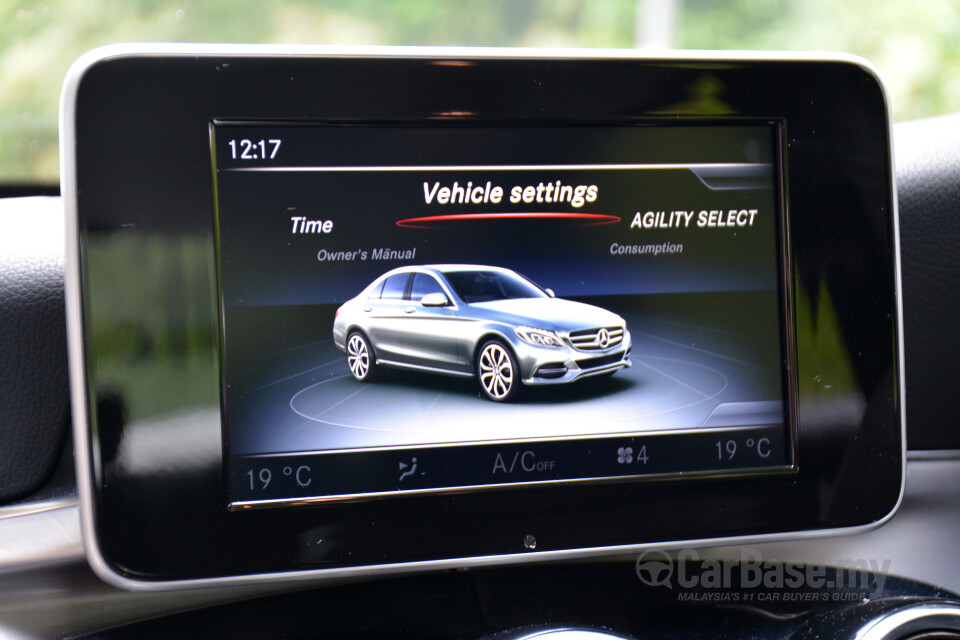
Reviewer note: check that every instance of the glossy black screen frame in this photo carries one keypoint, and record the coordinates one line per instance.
(142, 167)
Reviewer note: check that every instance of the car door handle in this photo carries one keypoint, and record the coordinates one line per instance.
(409, 309)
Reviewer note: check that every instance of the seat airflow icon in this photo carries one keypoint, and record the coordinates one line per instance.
(407, 469)
(625, 455)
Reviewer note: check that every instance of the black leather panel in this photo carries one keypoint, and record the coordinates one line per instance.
(33, 363)
(928, 180)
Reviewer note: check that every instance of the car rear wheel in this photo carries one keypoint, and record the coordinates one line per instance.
(497, 371)
(360, 357)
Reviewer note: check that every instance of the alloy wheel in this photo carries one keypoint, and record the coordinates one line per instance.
(497, 371)
(358, 357)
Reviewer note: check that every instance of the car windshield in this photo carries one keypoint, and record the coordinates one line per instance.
(484, 286)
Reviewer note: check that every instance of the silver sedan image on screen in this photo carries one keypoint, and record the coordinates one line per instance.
(487, 322)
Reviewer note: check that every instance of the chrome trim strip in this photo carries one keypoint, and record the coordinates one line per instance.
(931, 455)
(913, 619)
(589, 373)
(72, 298)
(48, 535)
(420, 367)
(571, 634)
(581, 374)
(75, 337)
(364, 51)
(33, 508)
(899, 368)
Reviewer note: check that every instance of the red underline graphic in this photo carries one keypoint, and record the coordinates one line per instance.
(428, 222)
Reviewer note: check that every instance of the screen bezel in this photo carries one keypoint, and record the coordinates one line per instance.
(130, 123)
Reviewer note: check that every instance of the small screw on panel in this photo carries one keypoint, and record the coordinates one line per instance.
(529, 542)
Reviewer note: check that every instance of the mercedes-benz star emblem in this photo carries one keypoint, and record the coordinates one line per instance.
(603, 338)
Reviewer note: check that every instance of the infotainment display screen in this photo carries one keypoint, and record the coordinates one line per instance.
(423, 308)
(345, 312)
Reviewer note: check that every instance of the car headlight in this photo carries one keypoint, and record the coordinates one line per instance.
(539, 337)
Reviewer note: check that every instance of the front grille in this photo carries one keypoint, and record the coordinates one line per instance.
(602, 361)
(596, 339)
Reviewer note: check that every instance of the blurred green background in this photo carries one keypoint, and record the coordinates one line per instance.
(915, 45)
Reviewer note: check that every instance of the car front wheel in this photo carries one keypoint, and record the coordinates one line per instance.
(497, 371)
(360, 358)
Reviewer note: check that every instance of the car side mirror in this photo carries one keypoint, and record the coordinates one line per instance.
(550, 293)
(435, 299)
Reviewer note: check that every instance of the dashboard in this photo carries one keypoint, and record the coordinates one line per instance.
(666, 417)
